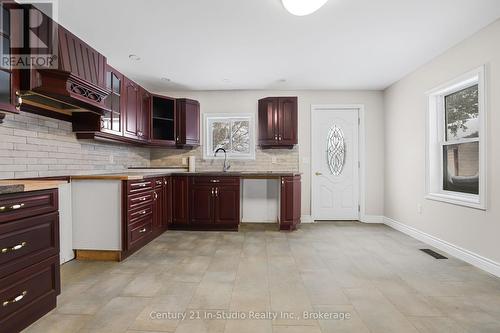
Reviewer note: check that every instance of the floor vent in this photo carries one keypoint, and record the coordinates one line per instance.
(433, 254)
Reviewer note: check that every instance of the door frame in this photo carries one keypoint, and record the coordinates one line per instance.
(361, 152)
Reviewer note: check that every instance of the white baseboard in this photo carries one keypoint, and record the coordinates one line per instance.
(306, 219)
(472, 258)
(371, 219)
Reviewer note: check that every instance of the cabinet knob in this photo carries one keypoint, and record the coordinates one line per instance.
(156, 195)
(143, 230)
(216, 192)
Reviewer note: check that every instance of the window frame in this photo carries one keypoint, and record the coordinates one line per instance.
(436, 141)
(208, 117)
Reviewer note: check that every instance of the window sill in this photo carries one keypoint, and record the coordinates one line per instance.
(466, 201)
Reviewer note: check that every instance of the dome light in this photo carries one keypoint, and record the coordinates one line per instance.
(303, 7)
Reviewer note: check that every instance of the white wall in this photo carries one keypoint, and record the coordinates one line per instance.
(405, 111)
(247, 101)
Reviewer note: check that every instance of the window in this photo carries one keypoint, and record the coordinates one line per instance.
(233, 132)
(456, 155)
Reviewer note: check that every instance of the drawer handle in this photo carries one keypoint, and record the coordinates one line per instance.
(158, 182)
(15, 299)
(156, 195)
(216, 192)
(143, 230)
(140, 184)
(215, 181)
(4, 209)
(143, 212)
(143, 199)
(14, 248)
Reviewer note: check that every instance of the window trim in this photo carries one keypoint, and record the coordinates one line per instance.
(436, 140)
(228, 116)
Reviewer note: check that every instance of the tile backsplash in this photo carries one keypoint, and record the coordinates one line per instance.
(36, 146)
(265, 160)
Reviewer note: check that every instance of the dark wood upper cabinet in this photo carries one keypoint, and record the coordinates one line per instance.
(9, 77)
(111, 120)
(187, 123)
(144, 116)
(163, 121)
(290, 202)
(278, 122)
(131, 109)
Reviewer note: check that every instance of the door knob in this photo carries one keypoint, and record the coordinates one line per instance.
(318, 173)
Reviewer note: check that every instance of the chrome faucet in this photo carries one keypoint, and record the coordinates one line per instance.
(226, 165)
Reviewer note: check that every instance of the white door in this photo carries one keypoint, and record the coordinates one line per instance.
(335, 163)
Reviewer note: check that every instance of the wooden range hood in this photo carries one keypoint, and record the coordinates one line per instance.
(77, 85)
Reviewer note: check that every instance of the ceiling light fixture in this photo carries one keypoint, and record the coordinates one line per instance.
(303, 7)
(134, 57)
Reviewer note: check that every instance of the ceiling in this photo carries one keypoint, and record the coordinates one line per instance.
(256, 44)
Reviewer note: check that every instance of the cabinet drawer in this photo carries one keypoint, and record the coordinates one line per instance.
(134, 187)
(138, 200)
(139, 213)
(20, 205)
(140, 230)
(27, 295)
(28, 241)
(203, 180)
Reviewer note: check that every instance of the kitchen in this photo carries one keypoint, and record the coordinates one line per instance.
(139, 194)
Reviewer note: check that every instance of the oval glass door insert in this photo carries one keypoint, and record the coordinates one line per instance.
(335, 153)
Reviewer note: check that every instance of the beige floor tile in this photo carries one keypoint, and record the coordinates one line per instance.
(343, 319)
(377, 313)
(436, 325)
(58, 323)
(117, 315)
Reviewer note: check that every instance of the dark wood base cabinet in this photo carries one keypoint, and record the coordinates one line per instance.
(205, 203)
(290, 203)
(147, 212)
(29, 257)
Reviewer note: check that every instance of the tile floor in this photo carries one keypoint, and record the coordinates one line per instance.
(372, 275)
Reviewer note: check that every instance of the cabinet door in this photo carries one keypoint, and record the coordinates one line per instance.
(158, 208)
(287, 121)
(167, 205)
(202, 204)
(144, 118)
(9, 78)
(290, 202)
(187, 122)
(227, 205)
(268, 121)
(111, 121)
(131, 109)
(180, 200)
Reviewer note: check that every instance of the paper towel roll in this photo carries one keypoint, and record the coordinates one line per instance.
(192, 162)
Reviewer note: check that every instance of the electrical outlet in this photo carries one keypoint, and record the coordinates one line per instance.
(184, 161)
(274, 160)
(111, 159)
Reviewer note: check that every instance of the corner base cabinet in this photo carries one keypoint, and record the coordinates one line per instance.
(127, 214)
(29, 257)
